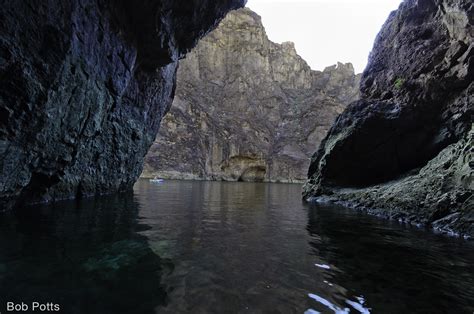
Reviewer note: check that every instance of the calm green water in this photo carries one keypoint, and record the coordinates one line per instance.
(212, 247)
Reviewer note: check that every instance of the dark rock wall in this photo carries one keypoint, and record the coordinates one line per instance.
(247, 108)
(84, 85)
(405, 149)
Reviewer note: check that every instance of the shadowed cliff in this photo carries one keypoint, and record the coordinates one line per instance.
(405, 149)
(84, 85)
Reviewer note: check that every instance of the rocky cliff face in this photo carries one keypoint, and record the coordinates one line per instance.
(405, 150)
(247, 108)
(84, 85)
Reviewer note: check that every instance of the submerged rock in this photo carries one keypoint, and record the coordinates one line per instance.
(247, 109)
(404, 149)
(84, 85)
(89, 256)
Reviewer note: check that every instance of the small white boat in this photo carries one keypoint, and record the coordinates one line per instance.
(156, 180)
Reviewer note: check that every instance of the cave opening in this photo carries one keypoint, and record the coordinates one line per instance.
(85, 85)
(253, 174)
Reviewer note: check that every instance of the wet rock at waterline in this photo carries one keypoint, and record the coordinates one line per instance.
(405, 149)
(247, 109)
(84, 85)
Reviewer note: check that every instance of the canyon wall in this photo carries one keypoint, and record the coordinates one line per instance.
(247, 109)
(405, 149)
(84, 85)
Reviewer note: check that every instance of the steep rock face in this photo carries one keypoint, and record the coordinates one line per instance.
(405, 149)
(247, 108)
(84, 85)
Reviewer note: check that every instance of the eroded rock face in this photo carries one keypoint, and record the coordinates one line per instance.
(405, 149)
(84, 85)
(247, 109)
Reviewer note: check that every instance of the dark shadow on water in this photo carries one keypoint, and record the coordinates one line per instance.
(86, 256)
(390, 268)
(220, 247)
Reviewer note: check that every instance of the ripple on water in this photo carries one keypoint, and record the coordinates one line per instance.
(358, 306)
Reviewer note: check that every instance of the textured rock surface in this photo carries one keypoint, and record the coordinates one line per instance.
(405, 150)
(247, 108)
(84, 85)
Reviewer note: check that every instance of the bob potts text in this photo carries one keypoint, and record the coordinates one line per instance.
(33, 307)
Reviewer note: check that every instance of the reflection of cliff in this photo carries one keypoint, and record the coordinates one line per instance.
(380, 266)
(86, 257)
(247, 108)
(229, 241)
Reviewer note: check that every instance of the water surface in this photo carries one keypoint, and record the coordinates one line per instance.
(217, 247)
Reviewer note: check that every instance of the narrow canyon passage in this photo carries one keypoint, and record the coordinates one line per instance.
(167, 156)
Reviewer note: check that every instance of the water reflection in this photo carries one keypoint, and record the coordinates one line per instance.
(237, 247)
(87, 257)
(217, 247)
(390, 269)
(243, 247)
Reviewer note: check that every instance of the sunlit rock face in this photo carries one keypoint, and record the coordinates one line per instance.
(405, 148)
(247, 109)
(84, 85)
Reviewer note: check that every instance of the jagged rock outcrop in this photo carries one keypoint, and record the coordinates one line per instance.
(247, 108)
(405, 149)
(84, 85)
